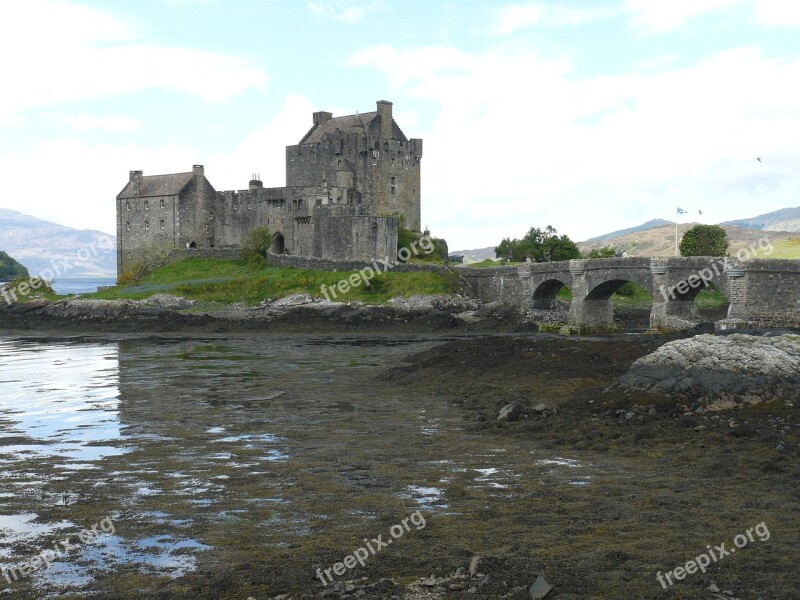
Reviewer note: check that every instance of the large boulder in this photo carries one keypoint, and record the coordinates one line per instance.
(720, 371)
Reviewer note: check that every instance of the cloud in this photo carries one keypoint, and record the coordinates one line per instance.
(87, 122)
(346, 11)
(88, 178)
(98, 56)
(659, 16)
(544, 148)
(778, 13)
(513, 17)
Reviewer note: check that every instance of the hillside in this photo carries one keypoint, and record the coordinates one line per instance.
(644, 226)
(785, 219)
(10, 268)
(476, 255)
(42, 246)
(660, 241)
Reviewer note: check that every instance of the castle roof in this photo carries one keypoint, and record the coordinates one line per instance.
(158, 185)
(359, 123)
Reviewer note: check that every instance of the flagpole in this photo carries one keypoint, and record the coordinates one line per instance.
(676, 231)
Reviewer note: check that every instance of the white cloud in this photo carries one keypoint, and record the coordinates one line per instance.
(513, 17)
(88, 178)
(97, 56)
(588, 154)
(660, 16)
(86, 122)
(264, 150)
(781, 13)
(347, 11)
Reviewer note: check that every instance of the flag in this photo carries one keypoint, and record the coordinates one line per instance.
(681, 211)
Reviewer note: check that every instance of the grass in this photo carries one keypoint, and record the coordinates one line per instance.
(488, 262)
(707, 299)
(786, 249)
(230, 281)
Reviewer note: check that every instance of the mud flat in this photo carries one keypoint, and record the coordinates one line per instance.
(235, 466)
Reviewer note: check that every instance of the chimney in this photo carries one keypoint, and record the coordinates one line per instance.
(322, 117)
(255, 182)
(385, 112)
(198, 170)
(136, 180)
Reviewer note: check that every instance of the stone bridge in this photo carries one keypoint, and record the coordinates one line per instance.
(761, 292)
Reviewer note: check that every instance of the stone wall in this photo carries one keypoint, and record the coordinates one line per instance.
(501, 284)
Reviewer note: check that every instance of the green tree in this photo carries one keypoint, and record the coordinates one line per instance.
(604, 252)
(10, 268)
(255, 247)
(704, 240)
(540, 245)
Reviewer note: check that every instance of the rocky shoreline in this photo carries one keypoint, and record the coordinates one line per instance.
(299, 312)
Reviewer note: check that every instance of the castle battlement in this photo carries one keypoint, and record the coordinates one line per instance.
(350, 181)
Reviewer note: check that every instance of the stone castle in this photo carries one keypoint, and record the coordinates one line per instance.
(348, 183)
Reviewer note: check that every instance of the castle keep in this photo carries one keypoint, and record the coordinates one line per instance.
(347, 182)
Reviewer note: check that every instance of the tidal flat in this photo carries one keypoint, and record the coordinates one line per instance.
(236, 466)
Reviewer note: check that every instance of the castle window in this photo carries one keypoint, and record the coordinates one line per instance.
(162, 223)
(127, 206)
(162, 203)
(147, 224)
(146, 204)
(393, 186)
(128, 226)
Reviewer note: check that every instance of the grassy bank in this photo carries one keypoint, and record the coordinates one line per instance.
(229, 281)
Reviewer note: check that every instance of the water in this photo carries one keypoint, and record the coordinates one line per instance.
(78, 285)
(224, 450)
(81, 285)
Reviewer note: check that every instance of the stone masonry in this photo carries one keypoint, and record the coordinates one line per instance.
(350, 182)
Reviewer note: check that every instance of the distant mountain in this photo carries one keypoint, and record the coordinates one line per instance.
(10, 268)
(785, 219)
(45, 247)
(660, 241)
(644, 226)
(477, 255)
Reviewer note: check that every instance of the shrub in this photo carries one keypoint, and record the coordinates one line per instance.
(258, 242)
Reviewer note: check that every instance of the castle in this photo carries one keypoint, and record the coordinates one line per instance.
(347, 182)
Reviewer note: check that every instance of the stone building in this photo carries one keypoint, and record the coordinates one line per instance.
(349, 182)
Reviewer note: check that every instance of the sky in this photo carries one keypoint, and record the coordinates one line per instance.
(589, 115)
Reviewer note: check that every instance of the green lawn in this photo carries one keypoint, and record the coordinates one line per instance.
(786, 249)
(229, 281)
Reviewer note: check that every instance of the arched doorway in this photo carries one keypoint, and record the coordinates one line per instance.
(278, 244)
(193, 245)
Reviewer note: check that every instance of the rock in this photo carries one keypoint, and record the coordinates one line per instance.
(714, 588)
(474, 563)
(508, 413)
(169, 301)
(539, 589)
(720, 371)
(294, 300)
(629, 415)
(780, 447)
(457, 587)
(540, 408)
(700, 428)
(350, 588)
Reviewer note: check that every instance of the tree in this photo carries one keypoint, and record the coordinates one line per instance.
(704, 240)
(255, 247)
(604, 252)
(10, 268)
(540, 245)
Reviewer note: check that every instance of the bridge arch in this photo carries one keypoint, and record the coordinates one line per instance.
(545, 294)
